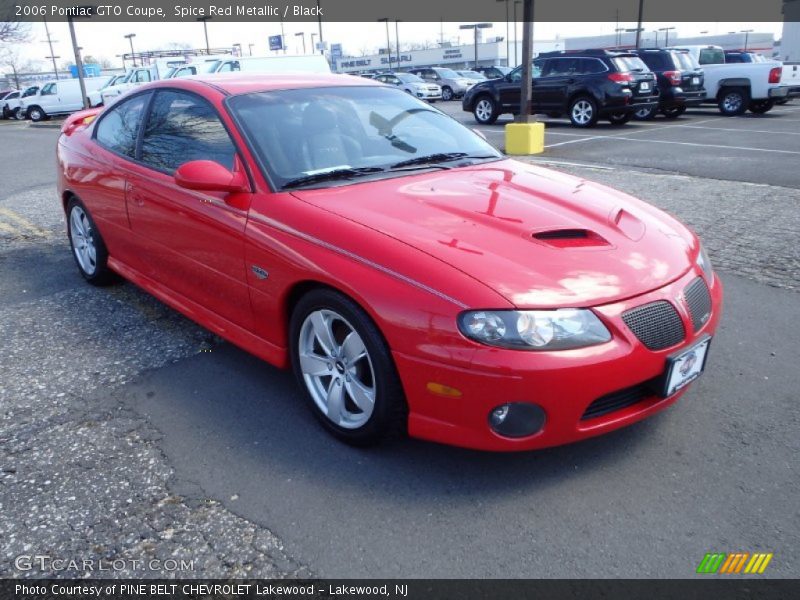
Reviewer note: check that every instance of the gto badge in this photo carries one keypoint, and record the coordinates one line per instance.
(259, 272)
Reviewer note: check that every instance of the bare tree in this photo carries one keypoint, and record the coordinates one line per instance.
(14, 32)
(10, 60)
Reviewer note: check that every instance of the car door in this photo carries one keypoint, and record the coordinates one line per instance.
(193, 241)
(559, 75)
(509, 88)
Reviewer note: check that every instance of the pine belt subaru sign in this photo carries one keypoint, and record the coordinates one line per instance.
(275, 42)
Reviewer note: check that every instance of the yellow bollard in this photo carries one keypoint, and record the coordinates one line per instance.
(525, 138)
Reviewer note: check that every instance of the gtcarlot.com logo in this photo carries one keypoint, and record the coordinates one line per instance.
(734, 562)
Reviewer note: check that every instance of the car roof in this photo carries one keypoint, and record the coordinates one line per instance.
(243, 83)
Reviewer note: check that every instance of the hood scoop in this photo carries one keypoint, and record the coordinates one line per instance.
(570, 238)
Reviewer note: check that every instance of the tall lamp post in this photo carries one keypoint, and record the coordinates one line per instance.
(516, 60)
(666, 31)
(527, 64)
(508, 34)
(746, 33)
(205, 31)
(388, 42)
(313, 47)
(238, 48)
(397, 39)
(302, 34)
(250, 46)
(130, 37)
(319, 23)
(639, 24)
(475, 27)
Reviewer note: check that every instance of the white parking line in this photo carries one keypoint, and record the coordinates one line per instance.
(746, 148)
(743, 130)
(647, 128)
(546, 161)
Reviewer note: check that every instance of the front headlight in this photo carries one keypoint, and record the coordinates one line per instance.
(561, 329)
(705, 264)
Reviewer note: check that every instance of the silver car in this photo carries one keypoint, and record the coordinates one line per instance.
(413, 85)
(453, 85)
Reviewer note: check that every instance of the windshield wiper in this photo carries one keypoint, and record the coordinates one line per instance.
(344, 173)
(435, 158)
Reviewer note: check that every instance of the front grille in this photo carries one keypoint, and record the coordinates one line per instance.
(657, 325)
(618, 400)
(698, 299)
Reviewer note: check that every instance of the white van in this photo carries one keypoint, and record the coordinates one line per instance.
(59, 97)
(311, 63)
(96, 97)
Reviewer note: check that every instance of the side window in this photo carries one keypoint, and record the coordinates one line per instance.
(589, 66)
(50, 89)
(516, 75)
(182, 127)
(562, 67)
(230, 66)
(142, 76)
(118, 128)
(537, 68)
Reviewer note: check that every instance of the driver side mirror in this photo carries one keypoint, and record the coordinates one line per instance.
(210, 176)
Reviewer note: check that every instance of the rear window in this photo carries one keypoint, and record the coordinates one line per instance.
(711, 56)
(657, 61)
(684, 60)
(629, 63)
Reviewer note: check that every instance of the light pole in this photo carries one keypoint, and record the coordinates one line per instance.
(238, 48)
(639, 24)
(319, 22)
(746, 33)
(388, 42)
(303, 35)
(313, 47)
(525, 95)
(508, 33)
(516, 60)
(130, 37)
(666, 31)
(475, 27)
(205, 31)
(250, 46)
(397, 39)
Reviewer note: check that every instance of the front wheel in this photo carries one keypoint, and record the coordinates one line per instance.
(341, 360)
(485, 110)
(36, 114)
(619, 118)
(673, 112)
(583, 112)
(733, 101)
(87, 245)
(447, 93)
(759, 107)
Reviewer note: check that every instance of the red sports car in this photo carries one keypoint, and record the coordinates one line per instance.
(414, 278)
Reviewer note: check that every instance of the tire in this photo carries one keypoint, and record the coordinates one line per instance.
(583, 112)
(673, 112)
(88, 248)
(485, 111)
(447, 93)
(733, 101)
(365, 393)
(18, 114)
(759, 107)
(36, 114)
(619, 118)
(645, 114)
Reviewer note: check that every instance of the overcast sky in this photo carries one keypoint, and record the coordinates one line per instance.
(105, 40)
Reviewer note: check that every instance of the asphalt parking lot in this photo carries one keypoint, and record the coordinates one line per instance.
(127, 431)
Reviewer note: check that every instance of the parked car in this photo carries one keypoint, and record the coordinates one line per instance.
(346, 229)
(453, 85)
(790, 79)
(495, 72)
(59, 97)
(584, 85)
(412, 84)
(138, 76)
(5, 98)
(13, 106)
(735, 56)
(472, 75)
(96, 96)
(311, 63)
(679, 80)
(737, 87)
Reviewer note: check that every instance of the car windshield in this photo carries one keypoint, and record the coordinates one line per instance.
(447, 73)
(353, 131)
(30, 91)
(629, 63)
(409, 78)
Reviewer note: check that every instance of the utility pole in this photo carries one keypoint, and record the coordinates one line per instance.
(319, 22)
(516, 60)
(52, 54)
(639, 25)
(397, 39)
(205, 31)
(130, 37)
(508, 35)
(78, 62)
(527, 60)
(388, 41)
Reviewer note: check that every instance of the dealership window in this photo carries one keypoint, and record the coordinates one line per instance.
(183, 127)
(119, 127)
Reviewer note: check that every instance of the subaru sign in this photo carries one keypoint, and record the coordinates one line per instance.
(275, 42)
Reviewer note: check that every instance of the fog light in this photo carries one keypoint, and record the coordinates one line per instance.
(516, 419)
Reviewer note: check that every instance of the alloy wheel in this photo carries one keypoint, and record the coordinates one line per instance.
(582, 112)
(82, 237)
(483, 110)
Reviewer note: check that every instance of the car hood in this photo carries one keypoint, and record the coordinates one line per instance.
(540, 238)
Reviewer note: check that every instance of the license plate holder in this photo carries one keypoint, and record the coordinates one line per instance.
(685, 366)
(695, 81)
(644, 86)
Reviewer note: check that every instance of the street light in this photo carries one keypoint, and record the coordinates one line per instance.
(130, 37)
(250, 46)
(516, 60)
(205, 31)
(639, 27)
(508, 33)
(238, 48)
(397, 39)
(666, 31)
(746, 33)
(313, 47)
(388, 42)
(303, 35)
(475, 27)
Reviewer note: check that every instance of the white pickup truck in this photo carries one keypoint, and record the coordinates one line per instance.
(737, 87)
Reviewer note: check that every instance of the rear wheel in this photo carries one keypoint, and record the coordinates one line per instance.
(760, 107)
(619, 118)
(18, 114)
(485, 110)
(87, 245)
(447, 93)
(341, 360)
(733, 101)
(645, 113)
(583, 112)
(673, 112)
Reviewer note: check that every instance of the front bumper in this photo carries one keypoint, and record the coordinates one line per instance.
(563, 383)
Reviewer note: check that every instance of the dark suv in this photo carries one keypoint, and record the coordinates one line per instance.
(680, 81)
(584, 85)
